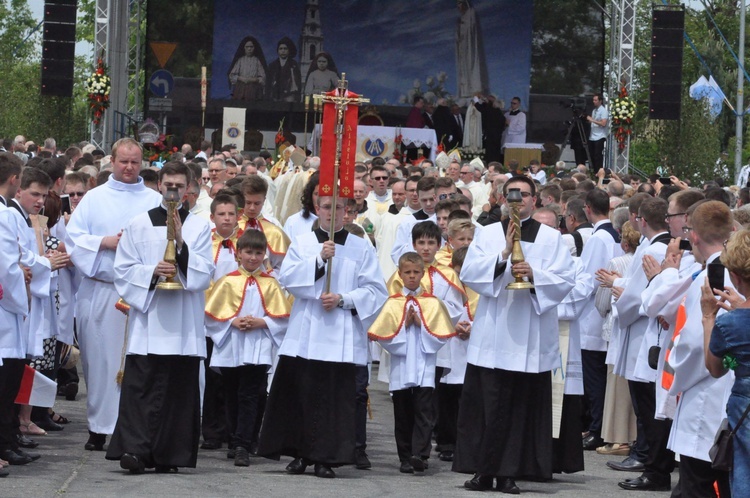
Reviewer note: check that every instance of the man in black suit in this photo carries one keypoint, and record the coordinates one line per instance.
(457, 127)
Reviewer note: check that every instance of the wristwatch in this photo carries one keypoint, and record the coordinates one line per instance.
(340, 304)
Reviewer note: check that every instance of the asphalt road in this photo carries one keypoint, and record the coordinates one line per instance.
(66, 469)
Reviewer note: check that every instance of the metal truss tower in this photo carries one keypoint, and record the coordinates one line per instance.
(119, 39)
(621, 58)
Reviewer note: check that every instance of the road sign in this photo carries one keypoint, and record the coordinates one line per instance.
(160, 105)
(161, 83)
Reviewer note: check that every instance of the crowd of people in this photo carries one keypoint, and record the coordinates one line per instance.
(259, 330)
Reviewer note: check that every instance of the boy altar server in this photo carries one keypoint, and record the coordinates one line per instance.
(246, 316)
(310, 413)
(412, 327)
(255, 188)
(159, 418)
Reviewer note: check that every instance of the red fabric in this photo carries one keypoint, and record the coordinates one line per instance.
(27, 382)
(348, 149)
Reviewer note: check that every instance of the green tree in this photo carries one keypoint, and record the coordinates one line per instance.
(23, 110)
(689, 147)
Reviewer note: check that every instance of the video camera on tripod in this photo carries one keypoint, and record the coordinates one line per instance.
(577, 106)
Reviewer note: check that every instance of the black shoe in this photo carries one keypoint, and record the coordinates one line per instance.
(418, 463)
(644, 484)
(361, 461)
(96, 442)
(14, 458)
(630, 464)
(508, 486)
(211, 444)
(479, 483)
(324, 471)
(297, 466)
(406, 468)
(592, 442)
(70, 390)
(446, 456)
(34, 456)
(231, 453)
(131, 462)
(48, 425)
(241, 457)
(25, 441)
(165, 469)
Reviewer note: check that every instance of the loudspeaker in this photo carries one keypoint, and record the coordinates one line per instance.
(665, 90)
(60, 12)
(58, 47)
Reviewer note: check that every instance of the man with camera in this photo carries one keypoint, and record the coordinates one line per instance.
(599, 120)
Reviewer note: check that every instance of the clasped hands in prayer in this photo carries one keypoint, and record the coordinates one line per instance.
(248, 323)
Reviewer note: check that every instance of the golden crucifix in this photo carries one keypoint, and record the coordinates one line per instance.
(341, 102)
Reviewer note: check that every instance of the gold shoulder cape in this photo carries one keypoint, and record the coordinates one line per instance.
(395, 284)
(217, 239)
(278, 241)
(431, 310)
(444, 255)
(228, 294)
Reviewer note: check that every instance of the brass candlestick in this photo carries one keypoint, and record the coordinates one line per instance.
(515, 199)
(172, 198)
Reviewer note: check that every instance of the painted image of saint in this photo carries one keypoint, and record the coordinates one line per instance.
(471, 62)
(322, 75)
(284, 82)
(247, 72)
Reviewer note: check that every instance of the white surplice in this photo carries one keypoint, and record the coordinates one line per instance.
(164, 322)
(517, 330)
(598, 251)
(703, 398)
(103, 211)
(633, 320)
(413, 354)
(14, 306)
(234, 347)
(338, 335)
(38, 325)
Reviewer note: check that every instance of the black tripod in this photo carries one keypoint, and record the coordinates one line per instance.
(576, 123)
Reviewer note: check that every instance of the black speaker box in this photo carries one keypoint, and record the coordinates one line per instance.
(60, 13)
(58, 50)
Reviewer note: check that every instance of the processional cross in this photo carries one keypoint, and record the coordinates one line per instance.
(341, 101)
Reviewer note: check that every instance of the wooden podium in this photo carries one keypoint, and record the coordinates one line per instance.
(523, 153)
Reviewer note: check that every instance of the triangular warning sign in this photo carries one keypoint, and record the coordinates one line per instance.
(163, 51)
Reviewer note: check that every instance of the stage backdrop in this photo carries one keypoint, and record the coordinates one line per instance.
(390, 49)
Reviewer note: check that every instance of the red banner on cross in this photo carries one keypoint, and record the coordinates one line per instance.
(348, 148)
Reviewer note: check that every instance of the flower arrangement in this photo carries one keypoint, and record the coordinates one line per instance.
(98, 86)
(623, 113)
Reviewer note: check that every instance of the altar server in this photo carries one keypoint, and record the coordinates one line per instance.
(158, 424)
(93, 234)
(310, 414)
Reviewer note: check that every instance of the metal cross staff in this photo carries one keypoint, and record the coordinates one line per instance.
(341, 101)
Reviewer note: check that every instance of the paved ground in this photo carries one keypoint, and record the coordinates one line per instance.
(66, 469)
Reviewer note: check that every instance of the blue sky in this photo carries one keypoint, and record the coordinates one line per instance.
(384, 46)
